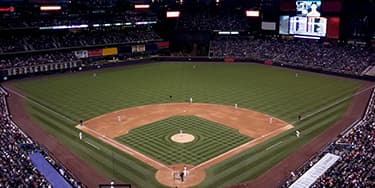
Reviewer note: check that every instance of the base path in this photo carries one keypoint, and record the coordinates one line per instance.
(256, 125)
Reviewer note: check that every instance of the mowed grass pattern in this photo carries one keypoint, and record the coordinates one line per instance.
(211, 139)
(267, 89)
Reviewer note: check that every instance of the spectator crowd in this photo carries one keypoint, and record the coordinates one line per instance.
(16, 168)
(356, 148)
(302, 53)
(205, 21)
(65, 39)
(37, 59)
(94, 12)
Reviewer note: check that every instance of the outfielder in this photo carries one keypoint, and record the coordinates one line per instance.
(297, 133)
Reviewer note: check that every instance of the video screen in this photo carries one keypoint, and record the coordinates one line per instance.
(310, 26)
(270, 26)
(284, 25)
(310, 8)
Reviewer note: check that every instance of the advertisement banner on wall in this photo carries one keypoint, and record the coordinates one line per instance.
(110, 51)
(95, 53)
(81, 54)
(138, 48)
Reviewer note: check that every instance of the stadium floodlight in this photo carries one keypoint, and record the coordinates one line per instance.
(50, 8)
(173, 14)
(141, 6)
(252, 13)
(224, 32)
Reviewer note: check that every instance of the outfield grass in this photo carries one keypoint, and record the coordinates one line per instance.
(266, 89)
(211, 139)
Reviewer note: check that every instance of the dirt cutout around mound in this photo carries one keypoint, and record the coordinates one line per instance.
(256, 125)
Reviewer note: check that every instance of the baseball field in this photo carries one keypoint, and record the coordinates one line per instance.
(131, 113)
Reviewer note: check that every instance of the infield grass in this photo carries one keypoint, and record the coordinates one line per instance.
(58, 102)
(211, 139)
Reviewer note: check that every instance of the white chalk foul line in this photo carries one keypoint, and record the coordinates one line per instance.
(41, 105)
(93, 145)
(274, 145)
(333, 104)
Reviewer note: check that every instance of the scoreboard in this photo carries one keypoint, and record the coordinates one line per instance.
(310, 26)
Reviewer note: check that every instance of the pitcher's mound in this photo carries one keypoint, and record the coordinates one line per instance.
(182, 138)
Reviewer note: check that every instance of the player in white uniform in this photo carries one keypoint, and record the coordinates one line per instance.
(119, 119)
(185, 171)
(297, 133)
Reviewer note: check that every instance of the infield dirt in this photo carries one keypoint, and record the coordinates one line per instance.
(250, 123)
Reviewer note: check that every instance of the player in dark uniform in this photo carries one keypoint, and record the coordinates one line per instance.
(182, 176)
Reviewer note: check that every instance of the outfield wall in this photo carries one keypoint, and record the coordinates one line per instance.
(104, 64)
(260, 61)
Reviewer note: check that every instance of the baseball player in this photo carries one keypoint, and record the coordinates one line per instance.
(297, 133)
(185, 171)
(182, 176)
(119, 119)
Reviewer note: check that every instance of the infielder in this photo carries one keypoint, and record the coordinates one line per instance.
(80, 135)
(191, 99)
(119, 119)
(185, 171)
(270, 121)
